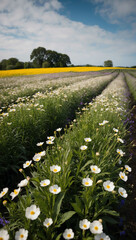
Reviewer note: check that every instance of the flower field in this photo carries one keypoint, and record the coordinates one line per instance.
(64, 155)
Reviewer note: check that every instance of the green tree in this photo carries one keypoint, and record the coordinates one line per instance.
(108, 63)
(38, 56)
(4, 64)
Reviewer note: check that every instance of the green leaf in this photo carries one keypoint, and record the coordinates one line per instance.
(65, 217)
(110, 212)
(57, 205)
(86, 164)
(59, 236)
(77, 208)
(110, 219)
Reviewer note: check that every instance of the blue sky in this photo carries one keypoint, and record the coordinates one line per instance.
(89, 31)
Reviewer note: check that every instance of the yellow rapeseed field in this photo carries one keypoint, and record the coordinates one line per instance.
(33, 71)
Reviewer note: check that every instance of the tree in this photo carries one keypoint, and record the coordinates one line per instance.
(38, 56)
(108, 63)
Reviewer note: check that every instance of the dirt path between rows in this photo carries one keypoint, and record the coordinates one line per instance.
(130, 205)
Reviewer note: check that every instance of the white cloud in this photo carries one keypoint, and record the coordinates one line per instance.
(117, 10)
(26, 25)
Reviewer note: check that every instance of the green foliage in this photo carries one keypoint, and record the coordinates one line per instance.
(108, 63)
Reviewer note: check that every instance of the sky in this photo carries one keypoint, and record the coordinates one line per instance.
(88, 31)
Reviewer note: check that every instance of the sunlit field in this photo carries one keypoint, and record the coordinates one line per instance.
(19, 72)
(65, 162)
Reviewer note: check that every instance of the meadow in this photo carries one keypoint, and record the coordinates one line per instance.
(64, 154)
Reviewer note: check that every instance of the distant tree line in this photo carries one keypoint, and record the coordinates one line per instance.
(39, 58)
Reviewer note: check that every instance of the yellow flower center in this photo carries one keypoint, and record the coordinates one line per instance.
(21, 235)
(86, 183)
(122, 177)
(48, 224)
(55, 170)
(16, 192)
(121, 193)
(108, 186)
(32, 212)
(44, 184)
(49, 142)
(96, 228)
(3, 193)
(54, 190)
(94, 169)
(85, 226)
(37, 159)
(126, 168)
(27, 163)
(1, 238)
(101, 238)
(69, 235)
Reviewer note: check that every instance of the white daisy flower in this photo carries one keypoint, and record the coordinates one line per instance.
(55, 168)
(51, 138)
(22, 234)
(15, 193)
(58, 129)
(87, 139)
(95, 169)
(37, 157)
(45, 183)
(122, 192)
(4, 234)
(27, 164)
(120, 152)
(55, 189)
(115, 130)
(129, 169)
(32, 212)
(68, 234)
(3, 192)
(42, 153)
(47, 222)
(123, 176)
(84, 224)
(40, 144)
(23, 183)
(50, 142)
(108, 186)
(83, 147)
(102, 236)
(87, 182)
(96, 227)
(120, 140)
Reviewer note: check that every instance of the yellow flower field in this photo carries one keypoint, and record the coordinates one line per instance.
(33, 71)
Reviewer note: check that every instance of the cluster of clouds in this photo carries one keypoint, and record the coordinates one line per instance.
(28, 24)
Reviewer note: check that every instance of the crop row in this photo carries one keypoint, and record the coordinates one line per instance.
(131, 82)
(26, 123)
(74, 188)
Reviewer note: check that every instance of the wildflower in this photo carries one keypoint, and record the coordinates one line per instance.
(55, 189)
(4, 202)
(55, 168)
(4, 234)
(68, 234)
(96, 227)
(129, 169)
(122, 192)
(22, 234)
(3, 192)
(58, 129)
(120, 152)
(123, 176)
(83, 147)
(97, 154)
(20, 170)
(120, 162)
(45, 183)
(120, 140)
(15, 193)
(108, 186)
(23, 183)
(47, 222)
(103, 123)
(87, 139)
(51, 138)
(49, 142)
(115, 130)
(95, 169)
(3, 221)
(101, 236)
(37, 157)
(42, 153)
(40, 144)
(84, 224)
(87, 182)
(32, 212)
(27, 164)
